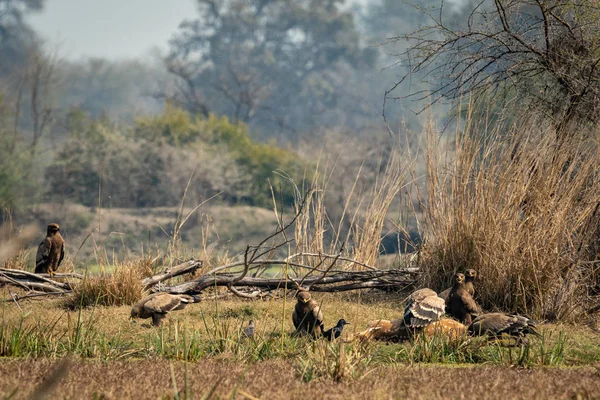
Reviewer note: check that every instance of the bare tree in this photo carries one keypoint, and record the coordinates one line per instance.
(41, 77)
(544, 52)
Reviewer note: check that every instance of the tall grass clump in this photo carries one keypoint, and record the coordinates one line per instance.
(521, 206)
(356, 220)
(122, 286)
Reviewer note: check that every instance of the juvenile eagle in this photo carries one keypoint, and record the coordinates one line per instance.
(50, 252)
(158, 305)
(423, 307)
(470, 276)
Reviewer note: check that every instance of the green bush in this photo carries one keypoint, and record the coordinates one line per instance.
(150, 164)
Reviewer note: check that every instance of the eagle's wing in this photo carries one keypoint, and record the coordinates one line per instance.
(296, 319)
(496, 323)
(318, 316)
(62, 254)
(422, 313)
(445, 293)
(43, 253)
(163, 303)
(469, 303)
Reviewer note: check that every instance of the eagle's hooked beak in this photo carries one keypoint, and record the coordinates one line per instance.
(304, 300)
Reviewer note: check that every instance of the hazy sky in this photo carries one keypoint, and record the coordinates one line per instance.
(110, 28)
(116, 28)
(113, 28)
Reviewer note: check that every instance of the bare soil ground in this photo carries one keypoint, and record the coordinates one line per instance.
(151, 379)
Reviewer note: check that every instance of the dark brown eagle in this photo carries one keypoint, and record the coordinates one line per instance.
(470, 276)
(460, 303)
(307, 316)
(50, 252)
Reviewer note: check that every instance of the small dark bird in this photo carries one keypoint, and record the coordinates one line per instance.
(423, 307)
(249, 330)
(158, 305)
(307, 316)
(50, 252)
(336, 331)
(460, 303)
(495, 324)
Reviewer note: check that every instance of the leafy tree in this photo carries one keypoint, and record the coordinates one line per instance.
(150, 164)
(275, 64)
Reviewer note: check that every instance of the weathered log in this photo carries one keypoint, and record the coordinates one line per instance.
(35, 295)
(21, 275)
(188, 267)
(353, 280)
(30, 285)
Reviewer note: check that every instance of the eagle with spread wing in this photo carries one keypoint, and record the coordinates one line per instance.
(50, 252)
(424, 312)
(496, 324)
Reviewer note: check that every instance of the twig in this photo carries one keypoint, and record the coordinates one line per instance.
(339, 257)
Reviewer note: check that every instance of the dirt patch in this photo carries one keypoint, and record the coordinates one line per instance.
(151, 379)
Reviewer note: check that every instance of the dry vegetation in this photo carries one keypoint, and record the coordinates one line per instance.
(522, 208)
(522, 211)
(204, 348)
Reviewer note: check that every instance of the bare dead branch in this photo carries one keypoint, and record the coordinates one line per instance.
(188, 267)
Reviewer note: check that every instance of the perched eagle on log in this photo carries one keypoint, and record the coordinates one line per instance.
(50, 252)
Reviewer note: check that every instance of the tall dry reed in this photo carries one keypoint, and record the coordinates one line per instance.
(521, 207)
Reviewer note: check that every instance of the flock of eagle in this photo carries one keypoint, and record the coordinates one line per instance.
(454, 312)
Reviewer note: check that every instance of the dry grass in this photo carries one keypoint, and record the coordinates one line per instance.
(151, 379)
(102, 342)
(522, 209)
(359, 224)
(119, 286)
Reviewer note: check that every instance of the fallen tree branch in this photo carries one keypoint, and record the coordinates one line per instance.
(18, 274)
(336, 256)
(73, 275)
(188, 267)
(29, 285)
(34, 294)
(343, 281)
